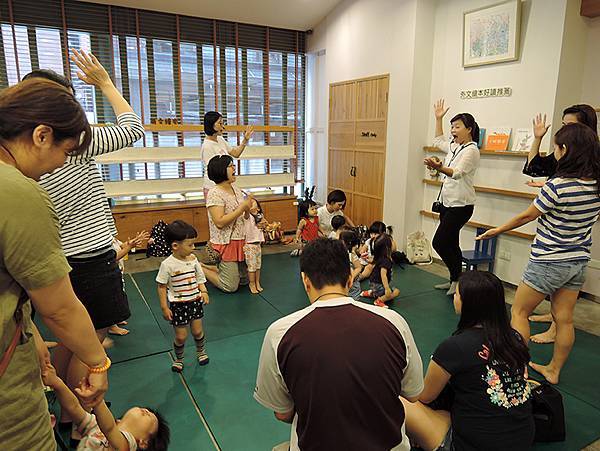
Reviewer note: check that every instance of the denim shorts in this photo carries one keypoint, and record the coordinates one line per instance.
(548, 277)
(378, 289)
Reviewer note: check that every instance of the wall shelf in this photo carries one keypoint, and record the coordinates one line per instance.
(486, 189)
(474, 224)
(505, 153)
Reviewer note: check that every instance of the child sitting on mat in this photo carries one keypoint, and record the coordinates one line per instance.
(254, 226)
(140, 427)
(181, 282)
(337, 224)
(308, 227)
(381, 277)
(376, 229)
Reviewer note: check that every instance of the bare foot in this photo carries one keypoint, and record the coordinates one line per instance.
(51, 344)
(253, 289)
(116, 330)
(108, 343)
(122, 323)
(259, 288)
(550, 374)
(545, 318)
(544, 337)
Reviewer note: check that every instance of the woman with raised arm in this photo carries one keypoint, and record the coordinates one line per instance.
(41, 125)
(456, 199)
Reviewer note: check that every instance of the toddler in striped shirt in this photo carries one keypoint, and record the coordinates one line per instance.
(182, 291)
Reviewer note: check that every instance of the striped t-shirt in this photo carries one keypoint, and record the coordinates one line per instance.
(181, 278)
(569, 207)
(77, 191)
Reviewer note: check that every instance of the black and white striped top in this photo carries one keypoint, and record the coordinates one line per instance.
(86, 222)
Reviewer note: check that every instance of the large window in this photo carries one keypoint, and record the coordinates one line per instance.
(167, 70)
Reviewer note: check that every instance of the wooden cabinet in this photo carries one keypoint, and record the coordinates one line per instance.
(357, 144)
(134, 218)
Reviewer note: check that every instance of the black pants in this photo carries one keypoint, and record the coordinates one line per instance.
(446, 239)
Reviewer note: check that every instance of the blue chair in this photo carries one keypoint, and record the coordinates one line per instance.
(485, 252)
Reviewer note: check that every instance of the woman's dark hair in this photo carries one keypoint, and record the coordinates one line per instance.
(585, 115)
(160, 440)
(482, 296)
(469, 122)
(582, 158)
(37, 101)
(337, 221)
(209, 122)
(350, 239)
(217, 168)
(52, 76)
(303, 207)
(325, 262)
(382, 248)
(337, 195)
(178, 231)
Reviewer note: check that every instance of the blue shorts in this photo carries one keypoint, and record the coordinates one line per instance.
(548, 277)
(355, 290)
(378, 290)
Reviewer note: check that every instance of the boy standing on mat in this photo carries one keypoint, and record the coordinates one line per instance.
(182, 291)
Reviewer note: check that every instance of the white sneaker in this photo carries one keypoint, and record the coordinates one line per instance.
(442, 286)
(452, 289)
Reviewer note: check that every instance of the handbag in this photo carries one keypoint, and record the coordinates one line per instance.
(548, 412)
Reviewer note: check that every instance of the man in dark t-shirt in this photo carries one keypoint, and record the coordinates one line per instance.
(336, 369)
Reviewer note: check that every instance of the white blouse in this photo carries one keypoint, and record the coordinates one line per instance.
(458, 190)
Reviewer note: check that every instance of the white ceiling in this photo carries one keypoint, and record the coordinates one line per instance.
(293, 14)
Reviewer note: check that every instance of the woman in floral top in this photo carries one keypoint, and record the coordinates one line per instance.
(227, 205)
(484, 365)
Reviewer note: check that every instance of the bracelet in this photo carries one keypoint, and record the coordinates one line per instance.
(102, 369)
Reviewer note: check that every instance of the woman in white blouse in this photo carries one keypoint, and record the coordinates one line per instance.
(214, 144)
(456, 200)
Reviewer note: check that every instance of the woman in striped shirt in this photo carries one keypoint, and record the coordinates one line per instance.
(86, 223)
(567, 207)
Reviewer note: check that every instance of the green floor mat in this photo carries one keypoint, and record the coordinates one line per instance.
(227, 315)
(280, 277)
(412, 281)
(223, 389)
(149, 382)
(145, 336)
(579, 375)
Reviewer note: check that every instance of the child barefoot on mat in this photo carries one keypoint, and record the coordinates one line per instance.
(254, 225)
(181, 281)
(140, 427)
(382, 273)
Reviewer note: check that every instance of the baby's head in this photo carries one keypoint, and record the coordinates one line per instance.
(337, 222)
(150, 429)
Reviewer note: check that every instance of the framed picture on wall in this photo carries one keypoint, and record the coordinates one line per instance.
(491, 34)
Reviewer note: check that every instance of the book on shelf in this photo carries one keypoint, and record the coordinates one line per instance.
(481, 140)
(497, 138)
(523, 140)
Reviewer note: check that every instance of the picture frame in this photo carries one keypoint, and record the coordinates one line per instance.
(492, 34)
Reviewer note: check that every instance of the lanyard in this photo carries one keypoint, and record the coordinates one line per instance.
(457, 151)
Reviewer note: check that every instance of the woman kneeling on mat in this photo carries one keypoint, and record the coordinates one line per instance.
(483, 366)
(226, 205)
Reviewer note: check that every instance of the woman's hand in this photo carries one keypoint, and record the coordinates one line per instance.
(539, 126)
(535, 184)
(246, 205)
(92, 388)
(91, 71)
(439, 109)
(488, 234)
(433, 162)
(248, 133)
